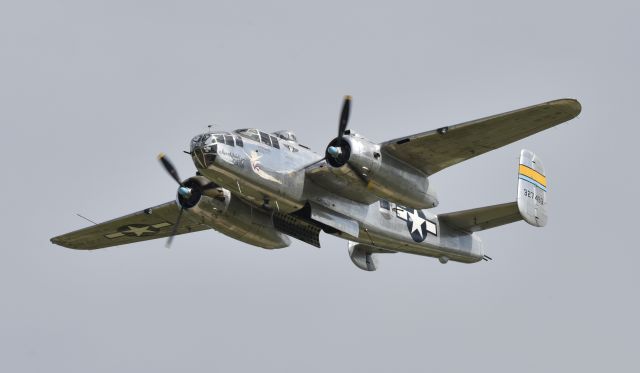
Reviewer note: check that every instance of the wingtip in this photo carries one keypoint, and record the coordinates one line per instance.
(58, 241)
(576, 105)
(62, 241)
(570, 106)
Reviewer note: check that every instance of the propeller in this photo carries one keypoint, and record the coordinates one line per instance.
(183, 191)
(170, 168)
(336, 150)
(189, 191)
(344, 118)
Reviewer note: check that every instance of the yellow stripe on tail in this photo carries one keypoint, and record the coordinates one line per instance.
(533, 174)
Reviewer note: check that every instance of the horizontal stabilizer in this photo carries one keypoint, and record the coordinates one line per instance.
(483, 217)
(530, 205)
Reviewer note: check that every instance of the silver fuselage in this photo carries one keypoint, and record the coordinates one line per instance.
(275, 179)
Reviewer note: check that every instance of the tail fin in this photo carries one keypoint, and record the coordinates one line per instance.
(532, 189)
(530, 205)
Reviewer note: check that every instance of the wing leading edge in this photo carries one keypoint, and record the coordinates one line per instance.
(435, 150)
(148, 224)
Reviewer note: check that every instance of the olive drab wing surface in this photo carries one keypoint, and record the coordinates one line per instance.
(435, 150)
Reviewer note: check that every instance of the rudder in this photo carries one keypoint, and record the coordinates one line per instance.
(532, 189)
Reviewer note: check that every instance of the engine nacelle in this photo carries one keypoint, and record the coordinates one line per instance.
(385, 176)
(218, 208)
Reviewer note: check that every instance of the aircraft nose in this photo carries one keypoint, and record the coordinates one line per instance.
(198, 141)
(203, 155)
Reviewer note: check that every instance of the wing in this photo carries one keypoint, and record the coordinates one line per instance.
(148, 224)
(435, 150)
(483, 217)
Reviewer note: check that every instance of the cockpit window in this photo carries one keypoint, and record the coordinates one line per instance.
(258, 136)
(219, 139)
(250, 133)
(274, 142)
(265, 138)
(239, 141)
(228, 139)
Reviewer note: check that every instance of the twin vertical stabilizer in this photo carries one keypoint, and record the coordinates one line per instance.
(532, 189)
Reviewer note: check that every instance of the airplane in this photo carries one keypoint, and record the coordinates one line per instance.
(263, 188)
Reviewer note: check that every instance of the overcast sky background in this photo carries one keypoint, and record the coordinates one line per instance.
(91, 92)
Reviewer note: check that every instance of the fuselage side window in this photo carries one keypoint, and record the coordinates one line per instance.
(274, 142)
(385, 209)
(265, 138)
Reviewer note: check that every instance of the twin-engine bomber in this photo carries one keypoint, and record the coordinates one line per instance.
(263, 188)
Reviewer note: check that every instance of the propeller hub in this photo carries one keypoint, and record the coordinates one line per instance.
(184, 192)
(338, 152)
(334, 151)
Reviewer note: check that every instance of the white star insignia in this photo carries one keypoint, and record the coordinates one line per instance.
(416, 222)
(138, 231)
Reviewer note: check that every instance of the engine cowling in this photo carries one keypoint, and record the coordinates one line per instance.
(384, 176)
(218, 208)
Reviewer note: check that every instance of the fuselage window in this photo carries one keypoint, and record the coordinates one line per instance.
(265, 138)
(239, 141)
(385, 209)
(228, 139)
(253, 135)
(274, 142)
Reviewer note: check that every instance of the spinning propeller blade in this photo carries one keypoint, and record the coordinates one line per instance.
(175, 229)
(344, 118)
(336, 150)
(169, 167)
(182, 191)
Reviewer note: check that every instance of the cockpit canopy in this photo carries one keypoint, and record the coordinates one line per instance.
(258, 135)
(265, 138)
(208, 139)
(286, 135)
(235, 139)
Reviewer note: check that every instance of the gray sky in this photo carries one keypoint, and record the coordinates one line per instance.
(91, 92)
